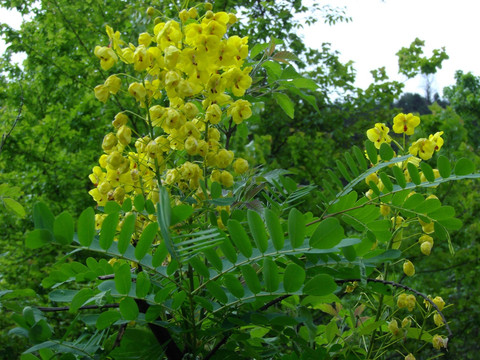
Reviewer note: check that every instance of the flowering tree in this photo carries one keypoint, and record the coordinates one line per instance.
(199, 256)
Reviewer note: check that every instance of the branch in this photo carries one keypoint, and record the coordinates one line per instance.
(391, 283)
(225, 338)
(86, 307)
(6, 136)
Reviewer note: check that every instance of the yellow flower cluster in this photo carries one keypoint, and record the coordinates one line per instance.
(406, 124)
(188, 80)
(406, 301)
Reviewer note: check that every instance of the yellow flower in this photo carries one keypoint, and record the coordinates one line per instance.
(405, 123)
(437, 319)
(427, 228)
(137, 91)
(213, 114)
(102, 93)
(408, 268)
(240, 166)
(113, 84)
(379, 134)
(410, 357)
(224, 158)
(144, 39)
(124, 135)
(393, 327)
(239, 111)
(439, 342)
(439, 302)
(226, 179)
(426, 248)
(107, 56)
(109, 142)
(407, 301)
(120, 120)
(141, 60)
(437, 140)
(423, 147)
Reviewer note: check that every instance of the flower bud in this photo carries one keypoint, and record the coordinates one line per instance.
(408, 268)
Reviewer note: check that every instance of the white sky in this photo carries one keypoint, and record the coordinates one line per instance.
(379, 29)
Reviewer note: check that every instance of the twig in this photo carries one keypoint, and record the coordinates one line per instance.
(6, 136)
(450, 334)
(86, 307)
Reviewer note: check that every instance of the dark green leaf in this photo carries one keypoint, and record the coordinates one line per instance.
(251, 278)
(360, 156)
(109, 228)
(142, 285)
(293, 278)
(107, 318)
(296, 228)
(427, 171)
(413, 171)
(63, 228)
(123, 279)
(271, 278)
(285, 103)
(371, 152)
(86, 227)
(327, 234)
(464, 167)
(129, 309)
(43, 217)
(320, 285)
(443, 165)
(80, 299)
(386, 152)
(399, 176)
(199, 266)
(112, 207)
(216, 291)
(37, 238)
(240, 237)
(275, 229)
(181, 213)
(233, 285)
(128, 227)
(257, 228)
(139, 203)
(146, 240)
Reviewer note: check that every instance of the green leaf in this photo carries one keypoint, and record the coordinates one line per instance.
(128, 227)
(160, 254)
(293, 278)
(112, 207)
(257, 228)
(284, 56)
(14, 206)
(139, 203)
(123, 279)
(216, 291)
(143, 285)
(213, 258)
(199, 266)
(371, 152)
(443, 165)
(303, 83)
(39, 332)
(427, 171)
(360, 156)
(386, 181)
(275, 229)
(343, 170)
(320, 285)
(146, 240)
(386, 152)
(109, 228)
(129, 309)
(163, 218)
(464, 167)
(63, 228)
(80, 299)
(233, 285)
(38, 238)
(271, 278)
(127, 205)
(327, 234)
(228, 250)
(251, 278)
(107, 318)
(240, 237)
(296, 228)
(445, 212)
(399, 176)
(86, 227)
(178, 299)
(413, 171)
(351, 164)
(43, 217)
(181, 213)
(367, 329)
(285, 103)
(257, 49)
